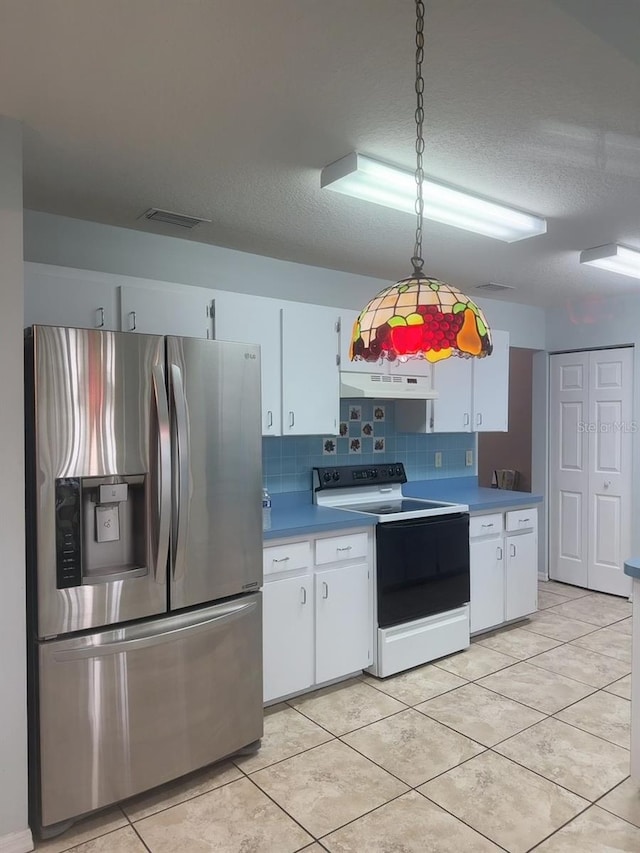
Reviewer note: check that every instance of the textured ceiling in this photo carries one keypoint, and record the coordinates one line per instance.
(229, 110)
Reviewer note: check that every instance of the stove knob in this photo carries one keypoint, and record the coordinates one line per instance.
(326, 476)
(373, 473)
(391, 472)
(336, 475)
(399, 470)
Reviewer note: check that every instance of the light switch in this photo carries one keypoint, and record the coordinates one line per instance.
(469, 458)
(107, 523)
(438, 459)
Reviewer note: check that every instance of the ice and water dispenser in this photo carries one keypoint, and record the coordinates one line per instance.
(100, 529)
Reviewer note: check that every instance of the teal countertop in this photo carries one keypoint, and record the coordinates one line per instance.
(632, 567)
(295, 514)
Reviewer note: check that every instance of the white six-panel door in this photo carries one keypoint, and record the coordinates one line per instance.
(590, 434)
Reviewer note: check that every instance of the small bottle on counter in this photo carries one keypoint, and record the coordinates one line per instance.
(266, 510)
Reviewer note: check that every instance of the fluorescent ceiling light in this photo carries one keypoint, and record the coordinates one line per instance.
(614, 258)
(361, 177)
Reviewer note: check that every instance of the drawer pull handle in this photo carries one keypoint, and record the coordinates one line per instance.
(304, 594)
(133, 321)
(292, 420)
(346, 548)
(281, 560)
(325, 589)
(498, 553)
(523, 520)
(487, 525)
(513, 550)
(270, 419)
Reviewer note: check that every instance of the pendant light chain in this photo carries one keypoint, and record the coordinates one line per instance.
(417, 260)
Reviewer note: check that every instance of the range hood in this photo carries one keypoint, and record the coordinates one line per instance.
(382, 386)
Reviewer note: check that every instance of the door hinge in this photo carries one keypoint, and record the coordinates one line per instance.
(338, 360)
(338, 326)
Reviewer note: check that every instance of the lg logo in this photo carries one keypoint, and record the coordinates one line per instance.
(250, 355)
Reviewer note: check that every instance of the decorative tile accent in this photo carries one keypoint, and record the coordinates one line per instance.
(344, 428)
(378, 445)
(379, 412)
(355, 413)
(355, 445)
(329, 447)
(367, 429)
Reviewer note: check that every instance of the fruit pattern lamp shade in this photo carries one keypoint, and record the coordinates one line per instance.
(420, 317)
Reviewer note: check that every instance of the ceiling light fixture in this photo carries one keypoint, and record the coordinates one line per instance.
(363, 177)
(420, 317)
(615, 258)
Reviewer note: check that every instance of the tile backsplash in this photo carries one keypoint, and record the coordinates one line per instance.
(367, 434)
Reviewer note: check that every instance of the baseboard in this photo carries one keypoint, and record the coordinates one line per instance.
(16, 842)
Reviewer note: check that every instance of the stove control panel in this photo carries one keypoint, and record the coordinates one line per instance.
(348, 476)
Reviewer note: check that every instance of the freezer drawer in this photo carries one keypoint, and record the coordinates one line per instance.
(124, 710)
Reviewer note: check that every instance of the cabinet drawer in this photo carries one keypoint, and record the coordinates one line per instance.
(335, 549)
(286, 558)
(522, 519)
(485, 525)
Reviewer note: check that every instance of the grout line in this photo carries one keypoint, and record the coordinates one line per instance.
(142, 841)
(278, 806)
(461, 820)
(185, 800)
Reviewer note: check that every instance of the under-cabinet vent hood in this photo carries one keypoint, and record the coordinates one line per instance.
(381, 386)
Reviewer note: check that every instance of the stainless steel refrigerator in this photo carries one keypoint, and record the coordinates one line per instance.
(145, 562)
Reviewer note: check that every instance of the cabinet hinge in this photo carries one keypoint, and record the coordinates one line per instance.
(338, 360)
(338, 326)
(368, 575)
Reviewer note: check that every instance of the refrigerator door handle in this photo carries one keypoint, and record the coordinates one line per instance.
(181, 511)
(164, 471)
(151, 637)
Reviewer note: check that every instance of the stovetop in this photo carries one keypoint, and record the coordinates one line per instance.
(374, 490)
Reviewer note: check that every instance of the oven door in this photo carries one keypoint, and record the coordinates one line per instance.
(422, 567)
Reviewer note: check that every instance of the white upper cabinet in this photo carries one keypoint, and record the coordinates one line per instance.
(473, 393)
(256, 320)
(491, 387)
(310, 378)
(453, 380)
(185, 312)
(59, 296)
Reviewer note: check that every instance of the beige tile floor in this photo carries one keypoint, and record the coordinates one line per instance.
(519, 743)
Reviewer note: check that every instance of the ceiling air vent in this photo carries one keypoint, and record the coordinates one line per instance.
(494, 287)
(169, 218)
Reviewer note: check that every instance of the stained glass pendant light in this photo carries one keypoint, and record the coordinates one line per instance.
(420, 317)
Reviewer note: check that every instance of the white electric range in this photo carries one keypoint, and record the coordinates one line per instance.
(421, 563)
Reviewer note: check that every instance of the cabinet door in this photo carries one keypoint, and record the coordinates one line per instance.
(343, 621)
(288, 636)
(491, 387)
(185, 312)
(487, 583)
(310, 378)
(58, 296)
(452, 380)
(521, 575)
(256, 320)
(347, 319)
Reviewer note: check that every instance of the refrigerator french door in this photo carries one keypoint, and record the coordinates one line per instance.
(144, 490)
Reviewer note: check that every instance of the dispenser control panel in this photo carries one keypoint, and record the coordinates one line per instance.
(68, 533)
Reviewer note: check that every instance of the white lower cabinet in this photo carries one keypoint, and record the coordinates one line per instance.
(503, 550)
(521, 575)
(343, 623)
(288, 636)
(317, 620)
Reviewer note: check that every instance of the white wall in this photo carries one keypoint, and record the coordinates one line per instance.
(87, 245)
(596, 323)
(14, 834)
